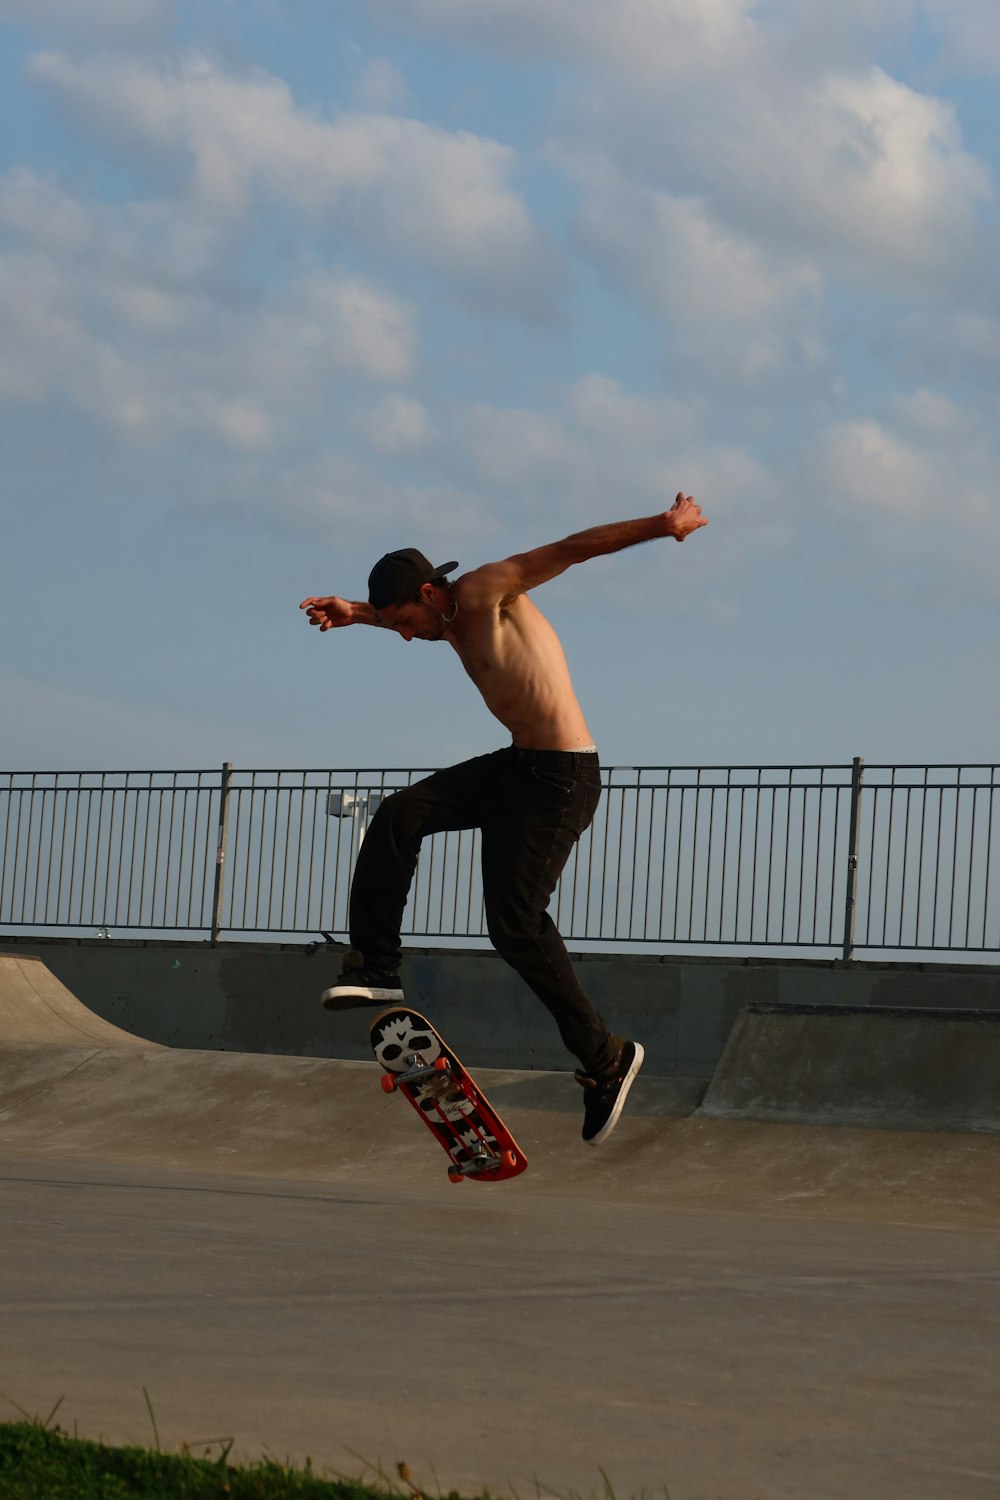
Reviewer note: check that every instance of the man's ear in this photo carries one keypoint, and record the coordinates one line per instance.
(428, 593)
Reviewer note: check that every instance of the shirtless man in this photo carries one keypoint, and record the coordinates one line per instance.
(532, 800)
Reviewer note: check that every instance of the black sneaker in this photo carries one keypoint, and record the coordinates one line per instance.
(604, 1098)
(361, 984)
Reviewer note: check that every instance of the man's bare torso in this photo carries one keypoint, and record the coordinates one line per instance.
(517, 662)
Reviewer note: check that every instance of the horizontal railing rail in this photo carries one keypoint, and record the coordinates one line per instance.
(785, 857)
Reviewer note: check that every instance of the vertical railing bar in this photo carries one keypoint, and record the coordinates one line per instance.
(107, 840)
(85, 863)
(298, 855)
(324, 863)
(725, 851)
(876, 793)
(27, 856)
(739, 863)
(618, 863)
(53, 792)
(677, 872)
(989, 845)
(262, 798)
(171, 819)
(191, 858)
(784, 873)
(283, 908)
(834, 848)
(753, 868)
(770, 864)
(937, 865)
(9, 789)
(708, 862)
(145, 850)
(244, 841)
(954, 859)
(221, 841)
(853, 836)
(180, 855)
(663, 859)
(694, 853)
(920, 858)
(906, 854)
(972, 855)
(649, 862)
(888, 858)
(820, 811)
(121, 852)
(802, 861)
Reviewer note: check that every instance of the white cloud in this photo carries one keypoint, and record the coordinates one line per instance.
(922, 489)
(962, 345)
(379, 86)
(398, 426)
(723, 299)
(397, 186)
(610, 453)
(333, 497)
(96, 19)
(650, 38)
(36, 210)
(91, 318)
(969, 32)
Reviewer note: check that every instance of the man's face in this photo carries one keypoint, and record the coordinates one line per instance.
(419, 622)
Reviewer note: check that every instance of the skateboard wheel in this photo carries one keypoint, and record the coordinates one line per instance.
(388, 1083)
(509, 1159)
(455, 1174)
(440, 1065)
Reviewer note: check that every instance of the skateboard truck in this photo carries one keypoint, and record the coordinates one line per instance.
(416, 1072)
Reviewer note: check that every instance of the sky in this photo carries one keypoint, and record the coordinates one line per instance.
(284, 286)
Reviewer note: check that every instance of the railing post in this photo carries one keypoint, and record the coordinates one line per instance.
(220, 852)
(857, 778)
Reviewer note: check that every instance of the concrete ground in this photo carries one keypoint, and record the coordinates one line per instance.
(498, 1339)
(733, 1309)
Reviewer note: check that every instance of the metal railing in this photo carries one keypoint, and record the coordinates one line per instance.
(819, 857)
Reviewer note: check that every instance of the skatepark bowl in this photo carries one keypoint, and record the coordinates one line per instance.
(782, 1288)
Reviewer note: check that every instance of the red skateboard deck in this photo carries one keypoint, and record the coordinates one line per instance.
(426, 1071)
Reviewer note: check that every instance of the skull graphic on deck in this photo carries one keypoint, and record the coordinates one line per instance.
(401, 1039)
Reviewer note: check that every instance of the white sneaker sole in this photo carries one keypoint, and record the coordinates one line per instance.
(351, 996)
(629, 1079)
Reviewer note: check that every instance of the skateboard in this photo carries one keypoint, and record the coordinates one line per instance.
(425, 1071)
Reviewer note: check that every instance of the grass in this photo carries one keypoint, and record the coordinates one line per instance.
(38, 1461)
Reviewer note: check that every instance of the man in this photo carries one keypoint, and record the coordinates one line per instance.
(531, 800)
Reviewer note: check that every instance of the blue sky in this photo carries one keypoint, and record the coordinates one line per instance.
(283, 286)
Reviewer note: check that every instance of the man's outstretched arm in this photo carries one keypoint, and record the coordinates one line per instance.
(331, 613)
(504, 581)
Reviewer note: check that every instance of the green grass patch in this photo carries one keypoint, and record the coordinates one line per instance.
(40, 1462)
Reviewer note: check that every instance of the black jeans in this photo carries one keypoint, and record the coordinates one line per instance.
(532, 806)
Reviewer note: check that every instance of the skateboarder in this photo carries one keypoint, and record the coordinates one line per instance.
(532, 800)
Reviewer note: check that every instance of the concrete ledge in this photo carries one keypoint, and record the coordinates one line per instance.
(263, 997)
(883, 1067)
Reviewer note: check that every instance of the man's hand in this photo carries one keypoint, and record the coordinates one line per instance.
(329, 612)
(684, 516)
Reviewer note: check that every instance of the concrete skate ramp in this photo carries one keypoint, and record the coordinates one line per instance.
(74, 1088)
(877, 1067)
(36, 1009)
(314, 1119)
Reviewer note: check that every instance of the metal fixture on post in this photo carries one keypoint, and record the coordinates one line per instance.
(220, 851)
(358, 806)
(850, 904)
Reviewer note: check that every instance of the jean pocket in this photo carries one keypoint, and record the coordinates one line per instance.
(558, 781)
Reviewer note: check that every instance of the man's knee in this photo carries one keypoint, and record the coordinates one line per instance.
(511, 931)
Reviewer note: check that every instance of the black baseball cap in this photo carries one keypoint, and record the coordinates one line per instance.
(397, 575)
